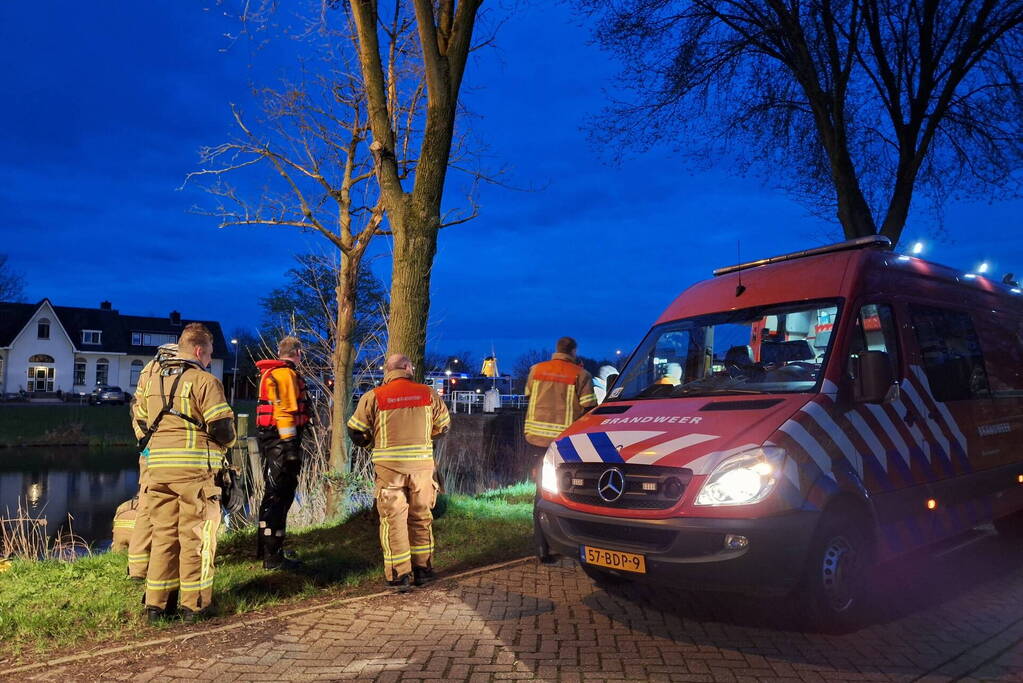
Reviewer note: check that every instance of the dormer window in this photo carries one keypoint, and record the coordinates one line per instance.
(91, 336)
(43, 329)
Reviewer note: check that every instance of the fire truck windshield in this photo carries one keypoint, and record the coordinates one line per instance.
(762, 350)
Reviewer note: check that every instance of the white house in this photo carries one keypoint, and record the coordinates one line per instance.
(45, 348)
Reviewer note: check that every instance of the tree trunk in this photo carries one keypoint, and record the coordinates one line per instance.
(415, 244)
(902, 196)
(853, 210)
(343, 361)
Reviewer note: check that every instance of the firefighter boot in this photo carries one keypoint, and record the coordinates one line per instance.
(190, 616)
(403, 584)
(275, 558)
(423, 575)
(155, 615)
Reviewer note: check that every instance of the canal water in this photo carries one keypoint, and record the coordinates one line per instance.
(74, 489)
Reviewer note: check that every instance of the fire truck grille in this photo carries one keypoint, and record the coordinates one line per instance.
(643, 537)
(646, 487)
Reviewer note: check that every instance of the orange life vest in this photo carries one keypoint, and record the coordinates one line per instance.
(265, 417)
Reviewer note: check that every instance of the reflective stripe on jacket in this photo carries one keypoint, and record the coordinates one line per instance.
(559, 391)
(180, 449)
(404, 417)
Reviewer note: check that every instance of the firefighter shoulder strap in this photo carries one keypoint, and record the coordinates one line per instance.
(168, 407)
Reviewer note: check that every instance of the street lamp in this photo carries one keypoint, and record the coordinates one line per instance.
(234, 376)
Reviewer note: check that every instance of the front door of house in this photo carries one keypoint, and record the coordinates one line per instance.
(40, 378)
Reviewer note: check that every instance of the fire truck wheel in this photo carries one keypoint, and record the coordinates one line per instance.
(836, 575)
(603, 579)
(1010, 526)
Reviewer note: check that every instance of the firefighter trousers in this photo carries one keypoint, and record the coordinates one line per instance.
(282, 464)
(404, 501)
(142, 535)
(185, 517)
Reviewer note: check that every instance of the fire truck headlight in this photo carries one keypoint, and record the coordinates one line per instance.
(549, 474)
(743, 479)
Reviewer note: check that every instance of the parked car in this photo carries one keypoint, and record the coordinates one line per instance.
(106, 394)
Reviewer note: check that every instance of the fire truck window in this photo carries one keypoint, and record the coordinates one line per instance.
(874, 330)
(1002, 339)
(951, 353)
(766, 349)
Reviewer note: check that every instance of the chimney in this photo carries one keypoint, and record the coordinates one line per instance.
(105, 306)
(175, 318)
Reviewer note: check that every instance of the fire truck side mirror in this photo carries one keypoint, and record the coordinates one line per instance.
(872, 376)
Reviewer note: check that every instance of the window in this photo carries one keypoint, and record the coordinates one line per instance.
(43, 329)
(102, 370)
(91, 336)
(952, 357)
(40, 358)
(767, 349)
(80, 371)
(875, 331)
(152, 339)
(1002, 338)
(136, 370)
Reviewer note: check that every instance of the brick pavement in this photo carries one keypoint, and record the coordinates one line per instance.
(957, 617)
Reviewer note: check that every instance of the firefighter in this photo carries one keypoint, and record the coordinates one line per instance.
(141, 535)
(187, 429)
(399, 420)
(559, 392)
(282, 414)
(124, 524)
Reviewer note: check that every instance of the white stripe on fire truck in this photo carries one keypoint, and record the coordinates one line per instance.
(827, 423)
(588, 453)
(584, 448)
(942, 408)
(809, 444)
(911, 392)
(900, 410)
(656, 453)
(869, 437)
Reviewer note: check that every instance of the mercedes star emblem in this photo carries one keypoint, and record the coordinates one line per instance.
(611, 485)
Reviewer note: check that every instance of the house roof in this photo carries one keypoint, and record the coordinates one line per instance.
(116, 328)
(13, 318)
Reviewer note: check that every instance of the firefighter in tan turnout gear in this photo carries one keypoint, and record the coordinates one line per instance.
(188, 426)
(140, 536)
(559, 391)
(399, 420)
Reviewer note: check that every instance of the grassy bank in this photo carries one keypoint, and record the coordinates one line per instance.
(72, 424)
(48, 606)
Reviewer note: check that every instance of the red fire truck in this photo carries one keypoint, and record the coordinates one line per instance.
(837, 407)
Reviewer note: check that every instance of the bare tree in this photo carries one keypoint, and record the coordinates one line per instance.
(311, 147)
(411, 197)
(866, 100)
(12, 284)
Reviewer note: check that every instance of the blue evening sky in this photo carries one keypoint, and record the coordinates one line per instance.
(107, 105)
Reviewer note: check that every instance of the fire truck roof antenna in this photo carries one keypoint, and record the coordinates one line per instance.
(739, 289)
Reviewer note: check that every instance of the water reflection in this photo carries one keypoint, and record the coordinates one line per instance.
(74, 489)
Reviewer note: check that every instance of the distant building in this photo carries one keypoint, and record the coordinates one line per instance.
(45, 348)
